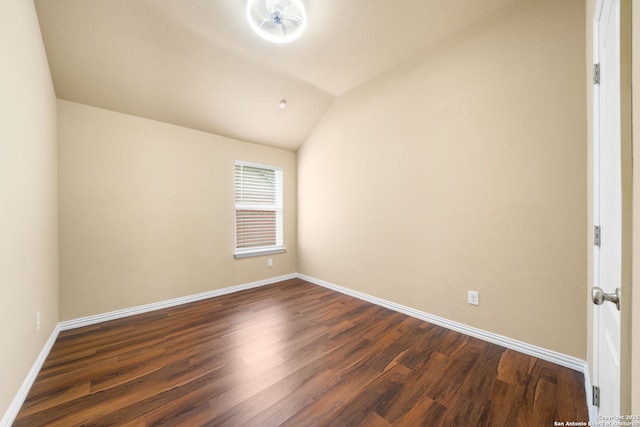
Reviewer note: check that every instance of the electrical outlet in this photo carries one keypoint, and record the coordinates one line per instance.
(473, 298)
(38, 321)
(270, 262)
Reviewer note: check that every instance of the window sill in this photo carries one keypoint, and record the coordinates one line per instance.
(259, 252)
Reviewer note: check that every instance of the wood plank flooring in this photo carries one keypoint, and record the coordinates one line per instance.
(292, 354)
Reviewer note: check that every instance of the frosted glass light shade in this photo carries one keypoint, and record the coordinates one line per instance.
(278, 21)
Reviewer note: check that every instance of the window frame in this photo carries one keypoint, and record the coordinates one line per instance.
(277, 207)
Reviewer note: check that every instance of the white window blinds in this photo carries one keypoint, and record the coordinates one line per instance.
(258, 193)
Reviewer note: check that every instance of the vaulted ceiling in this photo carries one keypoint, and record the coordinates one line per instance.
(197, 63)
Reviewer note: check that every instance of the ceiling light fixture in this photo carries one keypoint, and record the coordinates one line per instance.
(278, 21)
(282, 104)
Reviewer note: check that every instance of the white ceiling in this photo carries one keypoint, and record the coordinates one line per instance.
(196, 63)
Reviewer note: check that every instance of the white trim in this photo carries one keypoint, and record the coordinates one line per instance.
(277, 208)
(539, 352)
(13, 409)
(9, 416)
(595, 209)
(593, 410)
(247, 253)
(118, 314)
(258, 165)
(532, 350)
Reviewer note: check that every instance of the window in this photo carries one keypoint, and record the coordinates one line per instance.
(258, 191)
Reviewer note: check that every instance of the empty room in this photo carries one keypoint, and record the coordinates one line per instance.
(319, 213)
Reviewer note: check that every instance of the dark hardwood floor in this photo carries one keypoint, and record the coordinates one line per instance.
(292, 354)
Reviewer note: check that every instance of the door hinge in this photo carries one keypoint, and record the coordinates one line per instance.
(595, 398)
(596, 74)
(596, 235)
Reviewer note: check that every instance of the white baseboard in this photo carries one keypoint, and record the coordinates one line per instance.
(118, 314)
(532, 350)
(11, 412)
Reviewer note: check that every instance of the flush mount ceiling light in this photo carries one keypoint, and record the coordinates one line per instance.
(278, 21)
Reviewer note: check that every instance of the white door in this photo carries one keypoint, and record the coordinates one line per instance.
(607, 205)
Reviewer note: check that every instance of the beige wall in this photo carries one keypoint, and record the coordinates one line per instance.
(28, 217)
(627, 205)
(634, 329)
(466, 170)
(147, 211)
